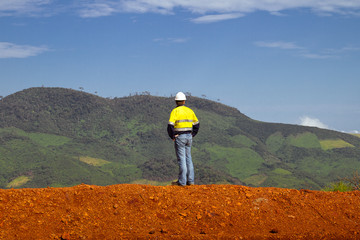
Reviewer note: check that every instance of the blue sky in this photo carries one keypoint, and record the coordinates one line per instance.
(284, 61)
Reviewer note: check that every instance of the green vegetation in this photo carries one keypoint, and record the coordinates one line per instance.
(285, 181)
(241, 140)
(304, 140)
(346, 184)
(18, 182)
(275, 141)
(280, 171)
(331, 144)
(255, 180)
(93, 161)
(62, 137)
(243, 162)
(239, 162)
(338, 186)
(149, 182)
(42, 139)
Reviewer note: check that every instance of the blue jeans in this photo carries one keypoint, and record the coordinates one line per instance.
(183, 153)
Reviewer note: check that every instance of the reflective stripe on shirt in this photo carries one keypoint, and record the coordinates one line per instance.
(182, 129)
(184, 120)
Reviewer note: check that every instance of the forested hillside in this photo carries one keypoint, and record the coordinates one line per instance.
(63, 137)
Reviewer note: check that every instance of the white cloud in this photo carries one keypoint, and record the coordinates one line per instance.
(279, 14)
(216, 18)
(341, 50)
(178, 40)
(17, 7)
(301, 51)
(100, 8)
(279, 44)
(97, 10)
(143, 6)
(10, 50)
(171, 40)
(246, 6)
(216, 7)
(312, 122)
(316, 56)
(211, 9)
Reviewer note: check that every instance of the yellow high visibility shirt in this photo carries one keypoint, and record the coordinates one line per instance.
(183, 119)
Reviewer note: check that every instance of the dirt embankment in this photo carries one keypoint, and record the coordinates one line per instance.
(194, 212)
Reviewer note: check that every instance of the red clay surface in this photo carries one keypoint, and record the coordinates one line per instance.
(195, 212)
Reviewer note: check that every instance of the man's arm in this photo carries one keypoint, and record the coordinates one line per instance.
(170, 130)
(195, 129)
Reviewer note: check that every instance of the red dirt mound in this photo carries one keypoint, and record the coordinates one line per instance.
(172, 212)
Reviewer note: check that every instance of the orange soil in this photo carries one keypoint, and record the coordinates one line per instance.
(195, 212)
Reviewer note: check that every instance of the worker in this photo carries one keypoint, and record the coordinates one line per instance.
(182, 127)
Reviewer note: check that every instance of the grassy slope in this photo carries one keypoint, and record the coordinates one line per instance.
(61, 137)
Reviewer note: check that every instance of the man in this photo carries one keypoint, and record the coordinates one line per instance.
(182, 127)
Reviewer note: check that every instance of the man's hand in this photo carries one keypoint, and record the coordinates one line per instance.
(175, 137)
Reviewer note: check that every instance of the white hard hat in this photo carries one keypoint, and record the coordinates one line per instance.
(180, 96)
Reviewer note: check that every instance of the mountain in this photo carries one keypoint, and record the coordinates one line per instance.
(62, 137)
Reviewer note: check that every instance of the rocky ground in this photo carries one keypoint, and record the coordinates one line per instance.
(195, 212)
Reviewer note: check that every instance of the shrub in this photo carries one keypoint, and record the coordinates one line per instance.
(339, 186)
(354, 181)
